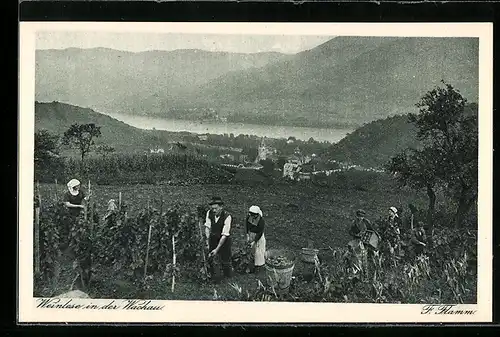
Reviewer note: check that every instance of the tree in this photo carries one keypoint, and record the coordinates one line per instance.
(47, 162)
(267, 166)
(104, 150)
(251, 152)
(449, 134)
(418, 169)
(281, 161)
(46, 146)
(82, 137)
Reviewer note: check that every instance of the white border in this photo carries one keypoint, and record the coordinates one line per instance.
(273, 312)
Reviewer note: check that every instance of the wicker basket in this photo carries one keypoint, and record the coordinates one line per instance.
(308, 255)
(279, 276)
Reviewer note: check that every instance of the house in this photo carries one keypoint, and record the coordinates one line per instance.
(203, 137)
(182, 148)
(304, 176)
(156, 150)
(291, 170)
(227, 156)
(243, 158)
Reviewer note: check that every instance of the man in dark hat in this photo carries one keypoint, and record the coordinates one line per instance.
(358, 230)
(217, 230)
(418, 240)
(360, 224)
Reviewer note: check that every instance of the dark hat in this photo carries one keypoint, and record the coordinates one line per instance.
(216, 201)
(360, 212)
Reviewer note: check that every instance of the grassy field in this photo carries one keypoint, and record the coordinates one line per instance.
(294, 214)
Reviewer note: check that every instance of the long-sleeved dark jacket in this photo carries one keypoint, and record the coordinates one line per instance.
(258, 230)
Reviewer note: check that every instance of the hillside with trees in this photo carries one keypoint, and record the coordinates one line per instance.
(373, 144)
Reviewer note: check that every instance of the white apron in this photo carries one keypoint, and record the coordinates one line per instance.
(259, 250)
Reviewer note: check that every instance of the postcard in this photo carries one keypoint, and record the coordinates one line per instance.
(255, 172)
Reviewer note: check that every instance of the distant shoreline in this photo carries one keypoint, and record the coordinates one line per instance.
(324, 134)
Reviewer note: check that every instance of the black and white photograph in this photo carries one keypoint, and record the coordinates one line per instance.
(270, 172)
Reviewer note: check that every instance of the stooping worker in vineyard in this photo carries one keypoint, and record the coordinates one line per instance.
(418, 240)
(217, 231)
(255, 236)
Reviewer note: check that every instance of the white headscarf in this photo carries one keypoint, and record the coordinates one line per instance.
(112, 205)
(255, 209)
(72, 183)
(394, 210)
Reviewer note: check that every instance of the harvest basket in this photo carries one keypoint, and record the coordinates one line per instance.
(279, 275)
(308, 255)
(371, 238)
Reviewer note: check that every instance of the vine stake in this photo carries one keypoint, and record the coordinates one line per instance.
(205, 268)
(147, 252)
(37, 230)
(173, 262)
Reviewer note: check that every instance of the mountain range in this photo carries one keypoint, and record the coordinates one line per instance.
(346, 81)
(109, 80)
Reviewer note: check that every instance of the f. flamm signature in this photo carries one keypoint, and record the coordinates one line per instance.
(445, 309)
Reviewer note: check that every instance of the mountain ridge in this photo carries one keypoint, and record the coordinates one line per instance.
(345, 81)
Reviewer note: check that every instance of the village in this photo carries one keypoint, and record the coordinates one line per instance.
(298, 166)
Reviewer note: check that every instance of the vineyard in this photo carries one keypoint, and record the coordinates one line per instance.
(122, 168)
(151, 246)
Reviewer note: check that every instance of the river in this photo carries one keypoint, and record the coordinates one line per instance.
(332, 135)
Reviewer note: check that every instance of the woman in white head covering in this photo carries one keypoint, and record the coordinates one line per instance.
(392, 232)
(255, 235)
(73, 200)
(74, 197)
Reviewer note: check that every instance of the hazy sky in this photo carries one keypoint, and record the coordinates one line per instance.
(150, 41)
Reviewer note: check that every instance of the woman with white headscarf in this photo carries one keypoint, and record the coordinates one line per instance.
(73, 201)
(255, 236)
(392, 232)
(74, 197)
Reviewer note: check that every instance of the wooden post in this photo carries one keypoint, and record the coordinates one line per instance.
(147, 252)
(39, 194)
(37, 240)
(37, 229)
(90, 208)
(119, 200)
(173, 263)
(411, 222)
(245, 212)
(205, 268)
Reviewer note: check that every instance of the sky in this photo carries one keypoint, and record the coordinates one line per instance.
(137, 42)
